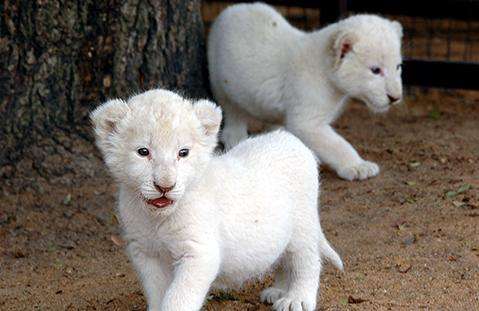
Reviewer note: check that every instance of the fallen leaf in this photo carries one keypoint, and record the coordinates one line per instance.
(403, 267)
(414, 164)
(409, 240)
(18, 253)
(400, 224)
(222, 296)
(67, 200)
(411, 200)
(464, 188)
(403, 226)
(353, 300)
(410, 183)
(117, 240)
(451, 194)
(452, 258)
(58, 264)
(114, 219)
(67, 244)
(68, 213)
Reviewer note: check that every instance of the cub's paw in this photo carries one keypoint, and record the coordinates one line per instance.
(293, 304)
(271, 294)
(361, 171)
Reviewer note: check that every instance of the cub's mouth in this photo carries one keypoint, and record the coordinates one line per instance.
(160, 202)
(377, 108)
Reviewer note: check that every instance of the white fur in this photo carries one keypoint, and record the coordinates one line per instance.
(263, 68)
(235, 216)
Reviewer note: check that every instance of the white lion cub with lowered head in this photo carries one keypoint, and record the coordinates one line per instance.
(262, 68)
(194, 220)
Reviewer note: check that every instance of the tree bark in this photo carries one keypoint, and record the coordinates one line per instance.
(59, 59)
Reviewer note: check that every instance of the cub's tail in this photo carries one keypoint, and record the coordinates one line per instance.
(326, 251)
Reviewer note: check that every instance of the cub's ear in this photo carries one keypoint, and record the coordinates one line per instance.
(343, 42)
(106, 116)
(209, 115)
(398, 28)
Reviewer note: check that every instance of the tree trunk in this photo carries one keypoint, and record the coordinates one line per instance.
(59, 59)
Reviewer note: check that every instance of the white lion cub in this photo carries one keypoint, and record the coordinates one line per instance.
(193, 220)
(263, 68)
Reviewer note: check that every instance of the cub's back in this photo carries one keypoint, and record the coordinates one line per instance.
(277, 157)
(248, 48)
(273, 167)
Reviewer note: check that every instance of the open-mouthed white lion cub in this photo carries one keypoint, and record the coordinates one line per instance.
(263, 68)
(193, 220)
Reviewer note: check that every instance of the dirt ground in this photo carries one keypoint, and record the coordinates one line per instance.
(409, 237)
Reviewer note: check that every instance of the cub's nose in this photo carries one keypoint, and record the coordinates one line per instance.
(393, 99)
(164, 189)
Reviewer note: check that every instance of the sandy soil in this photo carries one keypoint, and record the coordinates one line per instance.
(409, 237)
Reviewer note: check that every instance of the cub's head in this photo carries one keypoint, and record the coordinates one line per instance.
(156, 143)
(367, 60)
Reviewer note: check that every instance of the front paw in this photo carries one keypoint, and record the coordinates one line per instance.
(293, 304)
(361, 171)
(271, 294)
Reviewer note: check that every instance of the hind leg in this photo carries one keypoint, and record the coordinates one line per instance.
(304, 266)
(279, 288)
(235, 127)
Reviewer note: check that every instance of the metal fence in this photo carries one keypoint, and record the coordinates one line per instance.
(441, 38)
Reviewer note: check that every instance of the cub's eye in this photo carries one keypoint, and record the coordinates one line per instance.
(398, 66)
(143, 152)
(376, 70)
(183, 153)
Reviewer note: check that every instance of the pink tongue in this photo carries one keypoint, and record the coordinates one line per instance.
(160, 202)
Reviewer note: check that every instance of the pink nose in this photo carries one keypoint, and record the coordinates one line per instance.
(164, 189)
